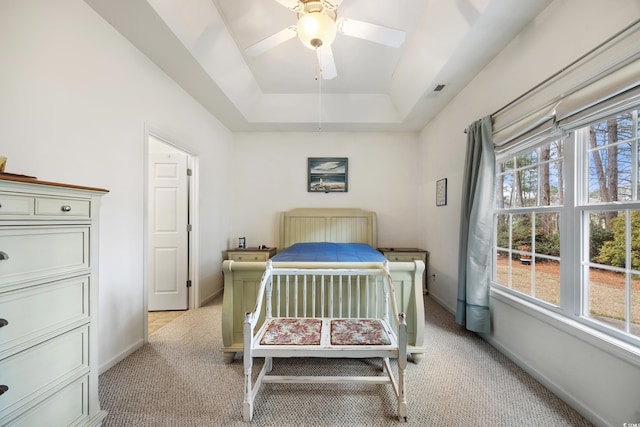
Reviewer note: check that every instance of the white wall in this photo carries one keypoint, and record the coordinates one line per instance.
(75, 98)
(270, 176)
(602, 385)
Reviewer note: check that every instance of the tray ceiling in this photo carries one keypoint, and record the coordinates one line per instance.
(201, 45)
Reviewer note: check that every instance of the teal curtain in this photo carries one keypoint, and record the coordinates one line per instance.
(476, 229)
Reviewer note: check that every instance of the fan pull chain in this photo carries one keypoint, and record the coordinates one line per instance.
(320, 101)
(319, 78)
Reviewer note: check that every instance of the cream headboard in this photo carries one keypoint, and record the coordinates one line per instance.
(337, 225)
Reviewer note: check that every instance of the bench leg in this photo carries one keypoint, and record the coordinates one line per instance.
(247, 406)
(402, 366)
(402, 390)
(247, 412)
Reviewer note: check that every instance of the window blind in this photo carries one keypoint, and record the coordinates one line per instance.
(613, 94)
(601, 83)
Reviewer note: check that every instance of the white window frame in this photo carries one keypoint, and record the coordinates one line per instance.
(574, 242)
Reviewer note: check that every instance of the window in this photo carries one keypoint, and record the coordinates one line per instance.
(609, 209)
(567, 225)
(529, 200)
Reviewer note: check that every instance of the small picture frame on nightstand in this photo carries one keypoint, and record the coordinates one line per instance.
(441, 192)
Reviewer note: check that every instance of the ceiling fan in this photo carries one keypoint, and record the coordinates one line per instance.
(316, 28)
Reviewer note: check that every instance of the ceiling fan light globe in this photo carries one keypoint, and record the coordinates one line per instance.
(316, 29)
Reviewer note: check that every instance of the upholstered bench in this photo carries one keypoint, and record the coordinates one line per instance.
(347, 335)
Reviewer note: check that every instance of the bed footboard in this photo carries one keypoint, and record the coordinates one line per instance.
(242, 281)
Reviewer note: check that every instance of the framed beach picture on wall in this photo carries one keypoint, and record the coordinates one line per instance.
(327, 174)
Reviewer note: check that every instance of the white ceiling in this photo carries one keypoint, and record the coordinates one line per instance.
(201, 43)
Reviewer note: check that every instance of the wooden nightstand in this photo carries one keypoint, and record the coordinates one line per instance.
(409, 255)
(251, 254)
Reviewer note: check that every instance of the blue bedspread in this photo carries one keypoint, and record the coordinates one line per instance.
(329, 252)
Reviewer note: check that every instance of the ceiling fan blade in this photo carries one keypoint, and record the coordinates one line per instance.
(327, 64)
(289, 4)
(375, 33)
(334, 3)
(271, 41)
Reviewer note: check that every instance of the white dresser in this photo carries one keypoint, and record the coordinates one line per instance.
(48, 304)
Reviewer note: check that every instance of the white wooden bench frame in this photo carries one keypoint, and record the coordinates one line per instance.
(324, 292)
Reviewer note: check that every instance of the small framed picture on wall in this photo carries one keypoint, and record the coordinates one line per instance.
(441, 192)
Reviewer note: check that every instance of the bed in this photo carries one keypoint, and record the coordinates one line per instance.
(310, 225)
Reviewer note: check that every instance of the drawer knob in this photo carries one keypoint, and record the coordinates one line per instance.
(3, 322)
(3, 255)
(3, 388)
(65, 208)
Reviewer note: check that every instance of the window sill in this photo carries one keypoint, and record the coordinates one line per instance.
(618, 348)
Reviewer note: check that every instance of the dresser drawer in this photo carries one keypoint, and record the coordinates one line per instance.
(62, 207)
(15, 205)
(405, 257)
(65, 408)
(249, 256)
(32, 252)
(34, 372)
(35, 312)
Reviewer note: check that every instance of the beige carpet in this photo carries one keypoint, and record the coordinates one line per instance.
(180, 379)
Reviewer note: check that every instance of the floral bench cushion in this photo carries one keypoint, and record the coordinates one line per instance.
(358, 332)
(308, 331)
(292, 331)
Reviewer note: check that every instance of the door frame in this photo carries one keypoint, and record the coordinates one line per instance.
(192, 163)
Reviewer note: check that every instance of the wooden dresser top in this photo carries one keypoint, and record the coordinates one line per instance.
(33, 180)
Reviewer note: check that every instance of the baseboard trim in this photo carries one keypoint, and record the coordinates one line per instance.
(559, 391)
(441, 303)
(120, 357)
(211, 297)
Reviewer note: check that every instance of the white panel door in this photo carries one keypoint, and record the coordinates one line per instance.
(168, 237)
